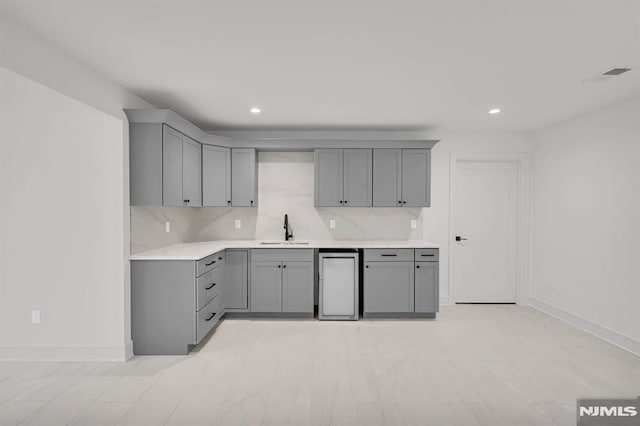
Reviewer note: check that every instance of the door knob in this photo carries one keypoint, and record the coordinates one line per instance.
(459, 238)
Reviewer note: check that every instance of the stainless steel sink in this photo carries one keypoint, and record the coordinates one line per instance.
(283, 243)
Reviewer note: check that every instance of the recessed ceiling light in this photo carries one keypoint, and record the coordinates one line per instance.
(494, 111)
(255, 110)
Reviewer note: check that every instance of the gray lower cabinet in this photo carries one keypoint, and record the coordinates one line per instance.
(343, 177)
(244, 177)
(401, 177)
(427, 292)
(388, 287)
(236, 282)
(266, 286)
(401, 281)
(216, 176)
(282, 281)
(175, 303)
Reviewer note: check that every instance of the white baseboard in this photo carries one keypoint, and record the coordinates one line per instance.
(65, 353)
(128, 350)
(622, 341)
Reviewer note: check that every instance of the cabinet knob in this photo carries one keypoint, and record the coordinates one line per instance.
(366, 266)
(399, 202)
(251, 201)
(404, 202)
(340, 201)
(229, 202)
(279, 266)
(284, 266)
(418, 266)
(345, 201)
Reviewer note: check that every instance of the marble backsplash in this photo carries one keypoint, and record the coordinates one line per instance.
(285, 185)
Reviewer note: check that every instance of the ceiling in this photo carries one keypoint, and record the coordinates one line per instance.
(353, 64)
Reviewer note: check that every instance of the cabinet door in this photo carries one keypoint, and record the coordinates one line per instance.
(172, 167)
(426, 290)
(329, 181)
(388, 287)
(236, 295)
(244, 185)
(266, 286)
(416, 177)
(387, 177)
(297, 287)
(192, 173)
(358, 184)
(216, 176)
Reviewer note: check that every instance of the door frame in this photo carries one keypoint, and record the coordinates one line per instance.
(521, 161)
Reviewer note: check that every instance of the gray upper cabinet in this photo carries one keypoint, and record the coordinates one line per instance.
(192, 173)
(343, 177)
(401, 177)
(181, 169)
(387, 177)
(357, 177)
(216, 176)
(244, 177)
(165, 167)
(172, 142)
(329, 183)
(416, 177)
(236, 290)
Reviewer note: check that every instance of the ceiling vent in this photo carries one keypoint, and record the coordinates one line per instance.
(616, 71)
(612, 73)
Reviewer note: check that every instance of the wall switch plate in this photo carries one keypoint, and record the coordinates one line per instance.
(35, 317)
(332, 224)
(238, 224)
(414, 224)
(167, 227)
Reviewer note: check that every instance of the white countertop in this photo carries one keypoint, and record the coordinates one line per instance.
(196, 251)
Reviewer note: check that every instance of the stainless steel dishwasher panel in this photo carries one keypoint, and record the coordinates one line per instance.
(338, 286)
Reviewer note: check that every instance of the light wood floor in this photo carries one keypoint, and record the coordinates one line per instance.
(477, 364)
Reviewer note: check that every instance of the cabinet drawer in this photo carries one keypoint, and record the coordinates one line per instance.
(209, 285)
(282, 255)
(388, 255)
(209, 262)
(427, 255)
(208, 317)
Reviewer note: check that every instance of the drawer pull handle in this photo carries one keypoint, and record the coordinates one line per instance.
(211, 317)
(210, 287)
(388, 255)
(427, 255)
(219, 258)
(210, 263)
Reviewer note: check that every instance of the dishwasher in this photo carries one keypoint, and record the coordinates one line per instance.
(339, 284)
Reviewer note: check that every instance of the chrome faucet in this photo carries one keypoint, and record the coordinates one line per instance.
(288, 232)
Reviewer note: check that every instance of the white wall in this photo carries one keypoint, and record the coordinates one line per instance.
(586, 257)
(436, 218)
(35, 59)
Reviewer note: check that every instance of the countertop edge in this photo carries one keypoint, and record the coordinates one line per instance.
(200, 250)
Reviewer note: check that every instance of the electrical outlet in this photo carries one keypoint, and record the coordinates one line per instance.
(332, 224)
(167, 227)
(238, 224)
(35, 317)
(414, 224)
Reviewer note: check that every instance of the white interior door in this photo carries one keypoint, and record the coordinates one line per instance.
(484, 219)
